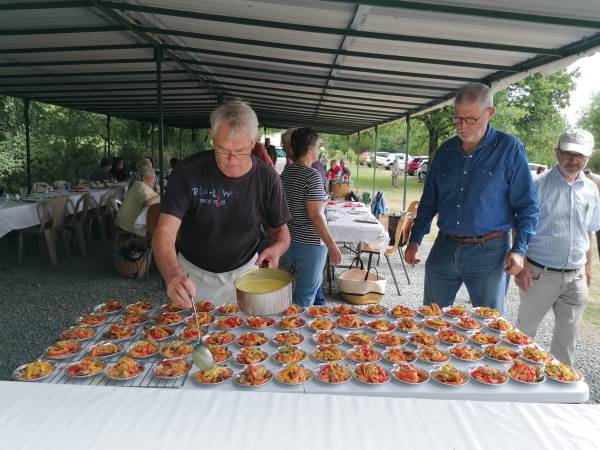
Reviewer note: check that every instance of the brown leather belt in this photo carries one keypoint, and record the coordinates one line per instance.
(475, 240)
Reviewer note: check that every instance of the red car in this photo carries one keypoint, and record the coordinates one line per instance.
(415, 163)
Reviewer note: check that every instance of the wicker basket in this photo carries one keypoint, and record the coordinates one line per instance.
(360, 291)
(129, 268)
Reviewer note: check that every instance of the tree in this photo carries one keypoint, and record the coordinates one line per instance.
(590, 120)
(439, 127)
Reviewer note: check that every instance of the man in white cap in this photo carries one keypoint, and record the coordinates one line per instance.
(557, 273)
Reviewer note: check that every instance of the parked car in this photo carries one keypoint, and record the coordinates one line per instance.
(401, 157)
(533, 168)
(422, 170)
(414, 164)
(380, 158)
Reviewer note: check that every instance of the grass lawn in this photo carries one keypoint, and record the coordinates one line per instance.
(393, 199)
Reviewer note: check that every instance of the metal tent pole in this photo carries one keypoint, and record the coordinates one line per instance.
(27, 143)
(159, 57)
(374, 162)
(180, 130)
(406, 161)
(108, 136)
(357, 161)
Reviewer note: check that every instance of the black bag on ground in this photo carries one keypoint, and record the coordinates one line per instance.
(131, 261)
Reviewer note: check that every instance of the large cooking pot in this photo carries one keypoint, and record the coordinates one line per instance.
(264, 292)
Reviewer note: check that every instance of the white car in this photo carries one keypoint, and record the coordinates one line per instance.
(422, 171)
(401, 157)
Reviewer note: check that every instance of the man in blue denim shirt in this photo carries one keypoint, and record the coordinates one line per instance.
(480, 185)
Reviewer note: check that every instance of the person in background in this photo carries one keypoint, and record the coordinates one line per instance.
(335, 170)
(272, 151)
(558, 270)
(261, 153)
(346, 172)
(216, 203)
(102, 172)
(136, 199)
(147, 161)
(320, 167)
(311, 240)
(596, 179)
(267, 142)
(287, 145)
(395, 172)
(117, 169)
(480, 186)
(172, 163)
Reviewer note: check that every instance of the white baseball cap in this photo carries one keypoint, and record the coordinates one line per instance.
(577, 140)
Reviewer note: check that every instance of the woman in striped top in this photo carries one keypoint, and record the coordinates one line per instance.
(311, 239)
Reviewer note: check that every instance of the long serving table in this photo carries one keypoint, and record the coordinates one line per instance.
(546, 392)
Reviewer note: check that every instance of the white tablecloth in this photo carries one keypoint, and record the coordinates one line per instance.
(43, 416)
(344, 227)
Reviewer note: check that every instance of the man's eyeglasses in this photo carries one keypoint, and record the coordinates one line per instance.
(468, 120)
(571, 155)
(234, 155)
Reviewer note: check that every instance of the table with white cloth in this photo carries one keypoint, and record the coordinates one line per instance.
(41, 416)
(24, 214)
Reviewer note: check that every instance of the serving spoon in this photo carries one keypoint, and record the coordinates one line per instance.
(201, 355)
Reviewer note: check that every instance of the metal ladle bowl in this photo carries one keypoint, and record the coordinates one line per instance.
(201, 355)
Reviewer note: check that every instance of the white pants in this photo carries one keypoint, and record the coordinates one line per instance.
(215, 287)
(567, 295)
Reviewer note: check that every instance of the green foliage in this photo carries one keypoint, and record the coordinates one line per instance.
(590, 120)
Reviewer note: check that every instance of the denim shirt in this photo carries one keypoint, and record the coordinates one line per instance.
(488, 189)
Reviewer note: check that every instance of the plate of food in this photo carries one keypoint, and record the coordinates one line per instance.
(482, 338)
(375, 310)
(172, 307)
(204, 306)
(433, 355)
(190, 332)
(133, 319)
(143, 349)
(397, 355)
(220, 353)
(436, 324)
(449, 375)
(291, 323)
(346, 310)
(229, 322)
(252, 339)
(501, 354)
(526, 373)
(117, 332)
(534, 354)
(390, 339)
(371, 373)
(139, 307)
(319, 311)
(363, 353)
(489, 376)
(124, 369)
(432, 310)
(260, 322)
(422, 338)
(408, 325)
(253, 376)
(516, 337)
(86, 367)
(451, 337)
(328, 353)
(227, 309)
(562, 373)
(350, 322)
(468, 324)
(293, 310)
(158, 333)
(171, 369)
(406, 373)
(327, 337)
(456, 311)
(176, 349)
(333, 373)
(290, 337)
(77, 333)
(34, 371)
(486, 312)
(215, 375)
(250, 355)
(293, 374)
(168, 318)
(219, 338)
(381, 326)
(321, 323)
(204, 318)
(63, 349)
(288, 354)
(499, 325)
(401, 311)
(92, 320)
(110, 306)
(105, 349)
(359, 339)
(465, 352)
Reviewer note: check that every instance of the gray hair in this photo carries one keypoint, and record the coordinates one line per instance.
(147, 172)
(286, 137)
(238, 115)
(475, 92)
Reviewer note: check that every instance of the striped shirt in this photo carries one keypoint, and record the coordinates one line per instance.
(568, 212)
(302, 184)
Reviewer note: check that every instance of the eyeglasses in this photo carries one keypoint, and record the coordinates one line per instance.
(468, 120)
(225, 153)
(571, 155)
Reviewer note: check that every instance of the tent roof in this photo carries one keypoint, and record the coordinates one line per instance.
(338, 66)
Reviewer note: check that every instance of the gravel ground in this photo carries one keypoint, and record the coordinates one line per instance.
(37, 302)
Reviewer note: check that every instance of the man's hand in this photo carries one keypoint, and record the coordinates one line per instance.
(181, 290)
(588, 274)
(271, 255)
(514, 263)
(335, 256)
(410, 254)
(524, 279)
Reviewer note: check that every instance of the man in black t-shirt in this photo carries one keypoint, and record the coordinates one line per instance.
(218, 200)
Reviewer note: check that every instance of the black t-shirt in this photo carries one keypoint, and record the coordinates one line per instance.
(221, 216)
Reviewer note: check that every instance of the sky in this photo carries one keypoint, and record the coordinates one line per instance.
(587, 84)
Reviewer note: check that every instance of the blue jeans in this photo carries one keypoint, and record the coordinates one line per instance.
(479, 266)
(308, 260)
